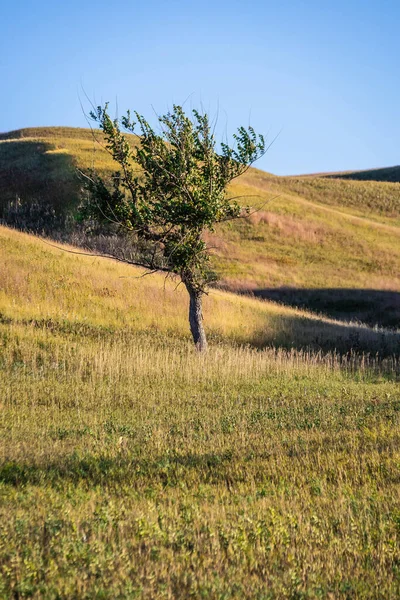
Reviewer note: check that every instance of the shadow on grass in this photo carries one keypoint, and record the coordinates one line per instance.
(372, 307)
(39, 176)
(368, 320)
(390, 174)
(316, 334)
(224, 468)
(103, 470)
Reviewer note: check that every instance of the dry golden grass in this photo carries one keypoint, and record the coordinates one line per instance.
(319, 233)
(131, 467)
(45, 285)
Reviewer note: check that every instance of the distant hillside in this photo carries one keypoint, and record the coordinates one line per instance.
(390, 174)
(41, 165)
(365, 198)
(48, 133)
(316, 232)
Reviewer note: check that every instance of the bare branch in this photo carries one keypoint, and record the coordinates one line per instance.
(110, 256)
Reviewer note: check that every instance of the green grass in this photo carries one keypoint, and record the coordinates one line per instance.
(277, 476)
(132, 467)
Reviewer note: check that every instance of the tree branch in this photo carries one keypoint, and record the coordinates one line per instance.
(126, 261)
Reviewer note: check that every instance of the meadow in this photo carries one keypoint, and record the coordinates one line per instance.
(132, 467)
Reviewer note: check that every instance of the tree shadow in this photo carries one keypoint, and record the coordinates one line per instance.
(110, 470)
(213, 468)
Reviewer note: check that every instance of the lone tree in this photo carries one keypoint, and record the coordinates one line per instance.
(170, 188)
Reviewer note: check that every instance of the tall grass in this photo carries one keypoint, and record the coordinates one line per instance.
(135, 468)
(50, 288)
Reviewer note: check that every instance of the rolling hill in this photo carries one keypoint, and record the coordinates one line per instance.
(336, 233)
(388, 174)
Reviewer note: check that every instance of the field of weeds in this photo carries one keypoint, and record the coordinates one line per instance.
(131, 467)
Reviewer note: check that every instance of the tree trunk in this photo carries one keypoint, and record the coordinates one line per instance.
(196, 318)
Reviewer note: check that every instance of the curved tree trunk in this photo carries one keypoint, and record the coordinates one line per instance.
(196, 318)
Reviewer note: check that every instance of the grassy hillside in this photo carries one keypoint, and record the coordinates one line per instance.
(131, 467)
(42, 165)
(46, 287)
(383, 174)
(310, 233)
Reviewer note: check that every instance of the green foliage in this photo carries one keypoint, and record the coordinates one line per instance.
(171, 187)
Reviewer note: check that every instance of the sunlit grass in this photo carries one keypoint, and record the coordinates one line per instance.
(316, 232)
(132, 467)
(55, 289)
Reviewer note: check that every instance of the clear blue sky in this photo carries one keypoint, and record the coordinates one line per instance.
(325, 74)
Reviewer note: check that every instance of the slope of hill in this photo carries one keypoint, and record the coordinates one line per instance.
(132, 467)
(389, 174)
(47, 287)
(309, 232)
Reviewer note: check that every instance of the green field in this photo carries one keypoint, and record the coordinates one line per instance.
(269, 468)
(131, 467)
